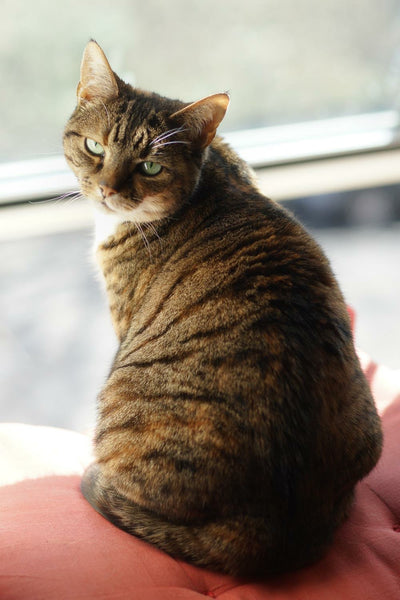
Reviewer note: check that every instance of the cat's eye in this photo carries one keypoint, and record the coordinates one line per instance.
(150, 168)
(94, 147)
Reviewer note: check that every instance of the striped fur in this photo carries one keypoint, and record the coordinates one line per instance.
(235, 421)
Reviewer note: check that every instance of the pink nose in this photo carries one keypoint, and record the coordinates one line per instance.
(107, 191)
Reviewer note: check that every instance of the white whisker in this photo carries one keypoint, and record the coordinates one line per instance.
(73, 194)
(167, 134)
(170, 143)
(70, 196)
(152, 228)
(143, 236)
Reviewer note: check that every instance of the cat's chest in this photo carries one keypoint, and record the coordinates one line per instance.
(105, 227)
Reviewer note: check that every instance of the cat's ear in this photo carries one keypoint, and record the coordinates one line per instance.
(97, 79)
(202, 118)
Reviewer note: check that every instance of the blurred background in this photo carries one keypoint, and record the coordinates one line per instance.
(315, 99)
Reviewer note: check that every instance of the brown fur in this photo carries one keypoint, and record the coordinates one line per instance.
(236, 420)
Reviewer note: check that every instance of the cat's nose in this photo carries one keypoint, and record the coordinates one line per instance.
(106, 191)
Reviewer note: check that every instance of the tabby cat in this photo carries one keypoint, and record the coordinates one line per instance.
(235, 421)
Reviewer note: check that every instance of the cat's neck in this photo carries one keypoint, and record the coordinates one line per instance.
(223, 165)
(105, 226)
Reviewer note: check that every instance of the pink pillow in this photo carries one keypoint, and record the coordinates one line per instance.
(53, 545)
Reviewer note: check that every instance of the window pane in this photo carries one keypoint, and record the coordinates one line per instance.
(283, 61)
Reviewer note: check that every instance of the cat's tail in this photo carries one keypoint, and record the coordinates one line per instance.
(243, 546)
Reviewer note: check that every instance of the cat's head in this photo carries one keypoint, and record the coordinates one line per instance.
(136, 154)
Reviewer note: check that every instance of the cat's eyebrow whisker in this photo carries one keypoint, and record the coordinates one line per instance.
(160, 147)
(167, 134)
(172, 142)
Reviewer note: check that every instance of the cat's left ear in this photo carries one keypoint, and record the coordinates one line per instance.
(97, 78)
(202, 118)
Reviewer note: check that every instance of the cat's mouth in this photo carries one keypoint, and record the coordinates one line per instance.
(115, 204)
(105, 205)
(145, 210)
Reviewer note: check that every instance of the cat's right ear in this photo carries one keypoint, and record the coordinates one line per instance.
(97, 79)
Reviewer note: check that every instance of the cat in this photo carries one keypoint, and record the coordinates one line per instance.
(236, 420)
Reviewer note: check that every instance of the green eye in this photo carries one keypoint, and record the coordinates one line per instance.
(150, 168)
(94, 147)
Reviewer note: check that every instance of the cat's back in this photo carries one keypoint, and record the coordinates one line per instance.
(236, 364)
(235, 301)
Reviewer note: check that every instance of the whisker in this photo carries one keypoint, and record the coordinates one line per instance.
(72, 199)
(152, 227)
(45, 201)
(73, 195)
(69, 195)
(167, 134)
(143, 236)
(170, 143)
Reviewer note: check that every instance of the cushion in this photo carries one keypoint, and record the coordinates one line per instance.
(53, 545)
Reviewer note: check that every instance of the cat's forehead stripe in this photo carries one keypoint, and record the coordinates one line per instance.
(117, 128)
(123, 127)
(127, 131)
